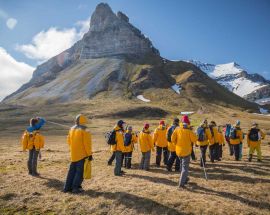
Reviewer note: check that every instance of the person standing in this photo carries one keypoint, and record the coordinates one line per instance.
(220, 142)
(161, 143)
(80, 144)
(146, 145)
(171, 147)
(130, 139)
(254, 137)
(203, 135)
(236, 138)
(183, 138)
(33, 141)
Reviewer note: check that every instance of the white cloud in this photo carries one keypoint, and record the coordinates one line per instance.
(47, 44)
(13, 73)
(11, 23)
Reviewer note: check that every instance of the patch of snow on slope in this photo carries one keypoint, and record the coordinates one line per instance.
(177, 88)
(263, 111)
(140, 97)
(263, 101)
(186, 112)
(241, 86)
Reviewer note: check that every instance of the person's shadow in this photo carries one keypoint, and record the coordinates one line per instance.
(141, 205)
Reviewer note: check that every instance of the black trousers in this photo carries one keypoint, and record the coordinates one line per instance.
(219, 151)
(111, 158)
(173, 158)
(32, 161)
(213, 152)
(193, 157)
(203, 155)
(159, 151)
(236, 149)
(127, 156)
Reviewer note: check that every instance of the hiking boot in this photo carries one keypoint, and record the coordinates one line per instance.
(109, 164)
(169, 169)
(77, 191)
(182, 187)
(67, 191)
(35, 174)
(123, 172)
(187, 180)
(259, 160)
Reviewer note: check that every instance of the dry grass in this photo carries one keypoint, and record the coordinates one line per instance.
(232, 188)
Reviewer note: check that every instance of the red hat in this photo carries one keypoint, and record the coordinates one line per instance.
(162, 122)
(146, 126)
(185, 119)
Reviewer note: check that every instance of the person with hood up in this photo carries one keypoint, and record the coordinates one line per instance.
(171, 147)
(254, 137)
(213, 141)
(161, 143)
(130, 139)
(119, 147)
(203, 135)
(80, 144)
(236, 138)
(183, 137)
(146, 145)
(33, 141)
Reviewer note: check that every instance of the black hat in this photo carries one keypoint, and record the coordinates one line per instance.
(120, 123)
(176, 121)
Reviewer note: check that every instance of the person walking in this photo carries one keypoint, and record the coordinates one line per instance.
(183, 138)
(236, 138)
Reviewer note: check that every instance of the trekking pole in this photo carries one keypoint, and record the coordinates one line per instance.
(206, 178)
(55, 123)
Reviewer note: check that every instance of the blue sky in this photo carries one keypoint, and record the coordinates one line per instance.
(212, 31)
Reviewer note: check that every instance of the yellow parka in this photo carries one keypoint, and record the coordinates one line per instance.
(119, 146)
(134, 140)
(254, 144)
(239, 135)
(79, 140)
(31, 140)
(214, 136)
(220, 138)
(146, 141)
(208, 136)
(160, 136)
(183, 138)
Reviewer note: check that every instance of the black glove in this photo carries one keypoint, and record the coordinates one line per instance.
(90, 158)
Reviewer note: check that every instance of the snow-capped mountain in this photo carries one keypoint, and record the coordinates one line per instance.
(252, 87)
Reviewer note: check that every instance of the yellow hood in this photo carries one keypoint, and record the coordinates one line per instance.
(81, 120)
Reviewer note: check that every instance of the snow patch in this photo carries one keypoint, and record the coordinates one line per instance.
(263, 101)
(140, 97)
(186, 112)
(263, 111)
(177, 88)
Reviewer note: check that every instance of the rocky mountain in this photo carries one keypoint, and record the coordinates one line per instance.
(114, 59)
(252, 87)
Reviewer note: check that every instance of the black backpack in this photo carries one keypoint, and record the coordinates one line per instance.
(127, 139)
(111, 137)
(254, 134)
(170, 132)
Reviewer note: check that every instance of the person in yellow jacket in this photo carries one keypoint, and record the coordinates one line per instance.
(146, 145)
(33, 141)
(221, 142)
(80, 144)
(130, 139)
(236, 138)
(213, 141)
(160, 141)
(254, 137)
(171, 147)
(119, 147)
(203, 135)
(183, 137)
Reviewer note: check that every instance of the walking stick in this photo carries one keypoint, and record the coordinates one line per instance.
(205, 175)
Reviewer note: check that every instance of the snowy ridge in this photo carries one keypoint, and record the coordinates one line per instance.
(236, 79)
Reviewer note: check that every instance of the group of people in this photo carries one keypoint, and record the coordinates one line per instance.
(174, 143)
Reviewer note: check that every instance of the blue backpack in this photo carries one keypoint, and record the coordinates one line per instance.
(201, 134)
(127, 139)
(228, 130)
(233, 134)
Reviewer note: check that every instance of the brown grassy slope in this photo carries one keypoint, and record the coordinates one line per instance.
(233, 187)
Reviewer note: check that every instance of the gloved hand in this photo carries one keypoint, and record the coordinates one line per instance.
(90, 158)
(223, 144)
